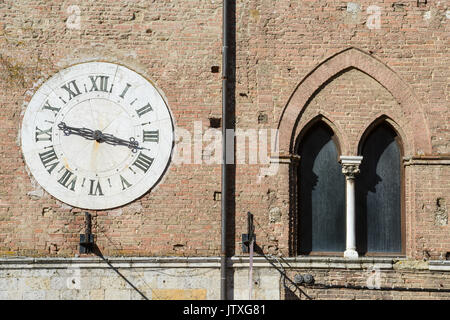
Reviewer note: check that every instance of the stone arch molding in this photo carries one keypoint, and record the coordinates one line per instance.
(365, 132)
(418, 135)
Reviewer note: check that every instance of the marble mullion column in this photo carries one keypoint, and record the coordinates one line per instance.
(350, 168)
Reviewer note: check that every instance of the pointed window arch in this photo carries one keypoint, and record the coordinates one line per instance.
(415, 124)
(321, 187)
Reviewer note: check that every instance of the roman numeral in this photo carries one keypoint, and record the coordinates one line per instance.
(144, 110)
(103, 86)
(98, 189)
(122, 95)
(65, 180)
(47, 106)
(151, 136)
(68, 88)
(47, 159)
(125, 183)
(43, 135)
(143, 162)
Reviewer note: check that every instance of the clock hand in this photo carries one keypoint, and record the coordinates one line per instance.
(112, 140)
(100, 137)
(131, 144)
(83, 132)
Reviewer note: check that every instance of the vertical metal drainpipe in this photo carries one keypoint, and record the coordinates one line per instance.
(223, 250)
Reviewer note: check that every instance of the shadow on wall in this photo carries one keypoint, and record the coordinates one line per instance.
(99, 254)
(290, 287)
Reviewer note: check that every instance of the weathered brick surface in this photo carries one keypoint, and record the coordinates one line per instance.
(393, 285)
(429, 239)
(174, 45)
(284, 61)
(398, 73)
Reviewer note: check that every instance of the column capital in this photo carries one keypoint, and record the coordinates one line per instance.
(350, 165)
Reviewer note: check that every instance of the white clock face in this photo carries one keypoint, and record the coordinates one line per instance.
(97, 135)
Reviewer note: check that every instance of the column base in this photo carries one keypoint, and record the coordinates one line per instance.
(351, 253)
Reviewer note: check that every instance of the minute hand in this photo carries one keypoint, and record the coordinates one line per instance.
(112, 140)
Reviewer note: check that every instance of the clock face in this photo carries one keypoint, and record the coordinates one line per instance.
(97, 135)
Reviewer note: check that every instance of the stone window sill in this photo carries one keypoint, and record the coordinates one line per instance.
(318, 262)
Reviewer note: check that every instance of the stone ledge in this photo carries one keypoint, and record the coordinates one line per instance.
(316, 262)
(427, 160)
(405, 264)
(195, 262)
(301, 262)
(117, 262)
(285, 159)
(439, 265)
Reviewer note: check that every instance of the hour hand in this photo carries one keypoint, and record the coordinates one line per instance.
(83, 132)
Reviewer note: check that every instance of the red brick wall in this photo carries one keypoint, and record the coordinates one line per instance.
(172, 43)
(279, 45)
(408, 285)
(291, 53)
(429, 239)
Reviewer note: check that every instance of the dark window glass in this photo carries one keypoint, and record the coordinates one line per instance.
(321, 193)
(378, 193)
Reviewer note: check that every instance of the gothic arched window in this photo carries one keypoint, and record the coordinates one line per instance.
(321, 185)
(378, 193)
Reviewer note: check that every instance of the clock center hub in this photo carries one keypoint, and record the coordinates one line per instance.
(98, 136)
(96, 124)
